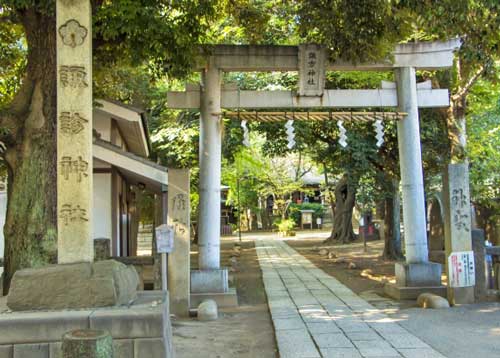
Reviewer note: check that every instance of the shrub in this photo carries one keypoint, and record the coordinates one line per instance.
(285, 225)
(294, 210)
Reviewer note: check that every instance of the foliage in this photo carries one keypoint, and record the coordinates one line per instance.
(12, 60)
(285, 225)
(484, 144)
(294, 210)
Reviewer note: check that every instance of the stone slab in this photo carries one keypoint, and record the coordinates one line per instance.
(417, 275)
(6, 351)
(123, 347)
(31, 350)
(340, 353)
(411, 293)
(421, 353)
(336, 340)
(128, 323)
(55, 350)
(36, 327)
(73, 286)
(149, 347)
(227, 299)
(209, 281)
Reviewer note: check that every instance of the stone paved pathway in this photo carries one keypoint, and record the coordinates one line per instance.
(314, 315)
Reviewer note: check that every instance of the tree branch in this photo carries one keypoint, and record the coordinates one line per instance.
(463, 90)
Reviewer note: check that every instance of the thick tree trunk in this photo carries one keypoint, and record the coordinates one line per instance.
(345, 198)
(31, 222)
(392, 219)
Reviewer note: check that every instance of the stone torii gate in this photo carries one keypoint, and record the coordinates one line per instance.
(209, 97)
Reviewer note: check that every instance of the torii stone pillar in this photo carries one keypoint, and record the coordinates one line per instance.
(210, 278)
(417, 271)
(74, 131)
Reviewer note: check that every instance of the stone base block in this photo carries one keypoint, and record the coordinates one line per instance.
(427, 274)
(411, 293)
(139, 331)
(73, 286)
(227, 299)
(209, 281)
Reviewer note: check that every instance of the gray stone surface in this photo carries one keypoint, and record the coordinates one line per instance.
(429, 300)
(149, 347)
(71, 286)
(209, 281)
(31, 350)
(123, 347)
(37, 327)
(27, 331)
(341, 323)
(128, 323)
(6, 351)
(55, 350)
(207, 311)
(418, 274)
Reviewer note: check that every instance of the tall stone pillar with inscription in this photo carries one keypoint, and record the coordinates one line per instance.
(179, 259)
(74, 131)
(458, 235)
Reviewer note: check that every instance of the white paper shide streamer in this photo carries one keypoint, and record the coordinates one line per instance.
(246, 137)
(379, 131)
(343, 136)
(290, 132)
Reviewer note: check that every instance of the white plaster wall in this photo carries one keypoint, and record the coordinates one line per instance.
(3, 208)
(102, 205)
(102, 124)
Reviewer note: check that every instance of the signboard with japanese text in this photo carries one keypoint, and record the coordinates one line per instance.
(312, 69)
(461, 269)
(164, 239)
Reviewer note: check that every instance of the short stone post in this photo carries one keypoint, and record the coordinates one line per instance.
(457, 224)
(74, 131)
(87, 343)
(179, 259)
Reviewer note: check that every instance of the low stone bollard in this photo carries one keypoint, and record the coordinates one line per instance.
(429, 300)
(207, 311)
(87, 343)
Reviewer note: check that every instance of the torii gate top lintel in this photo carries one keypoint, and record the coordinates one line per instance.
(243, 58)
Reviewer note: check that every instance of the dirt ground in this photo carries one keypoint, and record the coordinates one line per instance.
(245, 331)
(369, 273)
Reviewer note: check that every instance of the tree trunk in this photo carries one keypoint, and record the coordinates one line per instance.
(31, 222)
(392, 220)
(345, 197)
(456, 124)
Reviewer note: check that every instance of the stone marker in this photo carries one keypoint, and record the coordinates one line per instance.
(457, 225)
(74, 131)
(73, 286)
(207, 311)
(429, 300)
(178, 260)
(87, 343)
